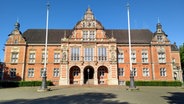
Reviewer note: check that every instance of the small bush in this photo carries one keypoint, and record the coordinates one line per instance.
(156, 83)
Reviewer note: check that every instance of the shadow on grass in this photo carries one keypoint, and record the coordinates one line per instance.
(85, 98)
(175, 98)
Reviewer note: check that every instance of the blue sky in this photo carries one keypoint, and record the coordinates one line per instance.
(64, 14)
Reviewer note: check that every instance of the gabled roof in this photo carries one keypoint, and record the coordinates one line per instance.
(37, 36)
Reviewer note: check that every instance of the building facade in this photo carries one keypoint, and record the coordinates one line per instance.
(90, 54)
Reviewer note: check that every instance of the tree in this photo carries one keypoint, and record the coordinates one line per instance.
(182, 56)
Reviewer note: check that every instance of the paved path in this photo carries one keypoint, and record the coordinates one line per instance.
(92, 95)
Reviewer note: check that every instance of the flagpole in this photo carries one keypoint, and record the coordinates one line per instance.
(132, 85)
(44, 77)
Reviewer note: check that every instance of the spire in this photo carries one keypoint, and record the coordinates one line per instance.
(159, 26)
(17, 25)
(89, 14)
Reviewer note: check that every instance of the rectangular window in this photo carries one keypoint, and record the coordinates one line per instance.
(31, 57)
(56, 57)
(120, 57)
(159, 38)
(75, 53)
(92, 35)
(162, 72)
(43, 57)
(133, 56)
(144, 56)
(14, 57)
(12, 72)
(88, 54)
(85, 35)
(120, 71)
(102, 55)
(161, 57)
(134, 71)
(31, 72)
(56, 72)
(145, 72)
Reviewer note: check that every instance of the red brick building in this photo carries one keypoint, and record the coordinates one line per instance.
(88, 53)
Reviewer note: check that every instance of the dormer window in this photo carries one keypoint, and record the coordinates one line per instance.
(159, 38)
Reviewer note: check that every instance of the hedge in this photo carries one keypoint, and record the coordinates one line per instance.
(22, 83)
(156, 83)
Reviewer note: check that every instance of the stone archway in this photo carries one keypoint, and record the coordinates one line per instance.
(75, 75)
(102, 75)
(88, 75)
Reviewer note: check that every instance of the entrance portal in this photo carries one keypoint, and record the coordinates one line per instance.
(88, 74)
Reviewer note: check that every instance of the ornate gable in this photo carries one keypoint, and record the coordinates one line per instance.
(15, 37)
(159, 36)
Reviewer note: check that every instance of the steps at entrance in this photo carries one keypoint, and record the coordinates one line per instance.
(90, 81)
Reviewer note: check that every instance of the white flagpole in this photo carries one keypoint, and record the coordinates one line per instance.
(130, 50)
(44, 77)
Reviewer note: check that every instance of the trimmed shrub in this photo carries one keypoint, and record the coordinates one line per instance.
(22, 83)
(156, 83)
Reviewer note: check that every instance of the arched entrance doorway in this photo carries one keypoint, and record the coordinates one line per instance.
(102, 75)
(88, 75)
(75, 75)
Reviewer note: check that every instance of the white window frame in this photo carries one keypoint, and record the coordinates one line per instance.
(88, 54)
(56, 57)
(120, 57)
(14, 57)
(31, 72)
(75, 54)
(56, 72)
(121, 72)
(13, 73)
(43, 57)
(145, 72)
(163, 72)
(32, 56)
(144, 56)
(133, 56)
(102, 54)
(161, 57)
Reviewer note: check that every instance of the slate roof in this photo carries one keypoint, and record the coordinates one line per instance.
(37, 36)
(174, 47)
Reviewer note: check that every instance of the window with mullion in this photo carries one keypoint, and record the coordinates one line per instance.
(161, 57)
(162, 72)
(120, 57)
(144, 56)
(56, 57)
(92, 35)
(102, 56)
(75, 54)
(12, 72)
(145, 72)
(85, 35)
(31, 72)
(120, 71)
(31, 57)
(133, 56)
(14, 58)
(56, 72)
(88, 54)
